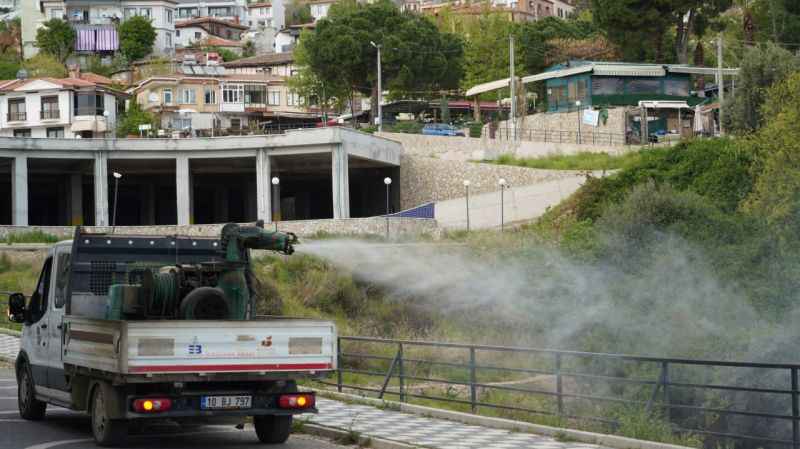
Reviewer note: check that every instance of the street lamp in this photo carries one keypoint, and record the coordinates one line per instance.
(380, 91)
(117, 177)
(388, 181)
(578, 104)
(466, 188)
(502, 183)
(275, 182)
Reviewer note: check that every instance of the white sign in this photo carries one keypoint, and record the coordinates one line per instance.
(145, 127)
(590, 117)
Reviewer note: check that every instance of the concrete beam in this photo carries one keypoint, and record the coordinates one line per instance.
(263, 186)
(19, 191)
(341, 183)
(101, 189)
(183, 190)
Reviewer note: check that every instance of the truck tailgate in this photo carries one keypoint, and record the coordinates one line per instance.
(157, 347)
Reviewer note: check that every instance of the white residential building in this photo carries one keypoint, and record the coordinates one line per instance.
(231, 10)
(320, 8)
(266, 15)
(57, 108)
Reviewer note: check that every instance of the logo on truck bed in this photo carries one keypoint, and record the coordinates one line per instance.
(195, 348)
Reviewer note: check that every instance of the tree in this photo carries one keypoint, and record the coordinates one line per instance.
(8, 69)
(136, 37)
(44, 65)
(553, 40)
(417, 59)
(10, 38)
(249, 49)
(309, 86)
(486, 52)
(131, 119)
(56, 38)
(297, 13)
(761, 67)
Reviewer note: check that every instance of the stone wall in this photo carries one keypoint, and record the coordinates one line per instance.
(398, 227)
(424, 179)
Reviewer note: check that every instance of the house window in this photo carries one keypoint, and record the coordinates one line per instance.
(16, 110)
(188, 96)
(168, 15)
(22, 133)
(255, 94)
(88, 103)
(219, 11)
(167, 96)
(232, 93)
(198, 35)
(181, 123)
(146, 12)
(56, 13)
(50, 108)
(185, 13)
(210, 95)
(292, 99)
(55, 133)
(678, 88)
(127, 13)
(236, 123)
(274, 98)
(168, 39)
(177, 33)
(644, 86)
(607, 86)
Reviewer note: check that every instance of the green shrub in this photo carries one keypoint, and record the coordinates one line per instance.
(407, 127)
(475, 129)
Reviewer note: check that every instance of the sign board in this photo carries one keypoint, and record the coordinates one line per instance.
(591, 117)
(145, 127)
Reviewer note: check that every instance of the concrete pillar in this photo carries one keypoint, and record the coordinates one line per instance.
(101, 189)
(76, 199)
(263, 186)
(341, 182)
(476, 109)
(19, 191)
(183, 189)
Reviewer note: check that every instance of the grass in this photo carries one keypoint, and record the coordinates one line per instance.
(580, 161)
(15, 277)
(36, 236)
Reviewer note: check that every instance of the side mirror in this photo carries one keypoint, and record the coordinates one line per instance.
(16, 307)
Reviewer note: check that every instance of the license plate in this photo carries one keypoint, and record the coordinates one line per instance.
(225, 402)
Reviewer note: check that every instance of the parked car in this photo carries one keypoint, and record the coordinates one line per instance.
(441, 129)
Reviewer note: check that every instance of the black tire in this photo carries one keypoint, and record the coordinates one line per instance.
(30, 408)
(272, 429)
(107, 432)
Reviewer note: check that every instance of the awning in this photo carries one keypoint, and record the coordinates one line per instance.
(487, 87)
(702, 70)
(557, 73)
(628, 70)
(664, 105)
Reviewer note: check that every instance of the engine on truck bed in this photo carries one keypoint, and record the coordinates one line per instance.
(191, 278)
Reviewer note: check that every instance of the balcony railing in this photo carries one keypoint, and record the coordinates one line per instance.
(89, 110)
(51, 115)
(17, 116)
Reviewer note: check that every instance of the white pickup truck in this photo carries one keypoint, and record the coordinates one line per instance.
(144, 327)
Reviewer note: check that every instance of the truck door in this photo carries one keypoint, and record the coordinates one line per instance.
(55, 317)
(37, 326)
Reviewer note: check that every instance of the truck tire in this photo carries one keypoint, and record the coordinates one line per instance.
(107, 432)
(30, 408)
(272, 429)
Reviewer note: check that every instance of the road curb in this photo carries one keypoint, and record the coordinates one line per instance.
(613, 441)
(363, 441)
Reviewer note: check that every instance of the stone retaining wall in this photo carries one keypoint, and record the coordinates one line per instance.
(398, 227)
(424, 179)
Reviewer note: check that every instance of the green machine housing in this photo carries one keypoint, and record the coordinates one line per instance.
(216, 288)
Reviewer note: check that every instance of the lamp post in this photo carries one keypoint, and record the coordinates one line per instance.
(275, 182)
(388, 181)
(466, 191)
(380, 91)
(117, 177)
(578, 104)
(502, 184)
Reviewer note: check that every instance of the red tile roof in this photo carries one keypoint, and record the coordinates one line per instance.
(86, 80)
(204, 20)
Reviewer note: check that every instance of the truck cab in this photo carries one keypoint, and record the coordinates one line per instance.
(103, 336)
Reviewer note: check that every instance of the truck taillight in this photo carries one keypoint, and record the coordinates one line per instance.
(152, 405)
(296, 401)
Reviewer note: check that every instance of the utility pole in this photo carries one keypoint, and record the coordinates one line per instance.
(513, 86)
(720, 83)
(380, 90)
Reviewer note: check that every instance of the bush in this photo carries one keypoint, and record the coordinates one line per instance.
(475, 129)
(136, 38)
(408, 127)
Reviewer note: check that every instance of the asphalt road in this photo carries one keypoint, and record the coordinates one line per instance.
(66, 429)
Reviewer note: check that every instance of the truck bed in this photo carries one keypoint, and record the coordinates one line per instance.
(194, 346)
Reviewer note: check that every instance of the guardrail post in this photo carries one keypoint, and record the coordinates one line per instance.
(665, 387)
(473, 390)
(401, 372)
(339, 363)
(559, 386)
(795, 411)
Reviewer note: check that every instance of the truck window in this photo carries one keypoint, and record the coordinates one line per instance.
(62, 280)
(38, 302)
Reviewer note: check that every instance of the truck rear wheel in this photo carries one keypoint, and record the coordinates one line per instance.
(30, 408)
(272, 429)
(107, 432)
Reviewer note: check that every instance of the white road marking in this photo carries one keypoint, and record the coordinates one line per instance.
(9, 412)
(8, 397)
(52, 444)
(13, 387)
(12, 420)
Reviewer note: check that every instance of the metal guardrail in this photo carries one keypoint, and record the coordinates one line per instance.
(677, 399)
(587, 136)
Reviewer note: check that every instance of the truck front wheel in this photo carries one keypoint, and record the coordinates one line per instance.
(107, 432)
(272, 429)
(30, 408)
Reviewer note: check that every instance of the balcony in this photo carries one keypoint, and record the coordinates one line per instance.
(89, 110)
(17, 117)
(54, 114)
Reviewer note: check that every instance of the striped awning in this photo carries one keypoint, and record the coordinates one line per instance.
(628, 70)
